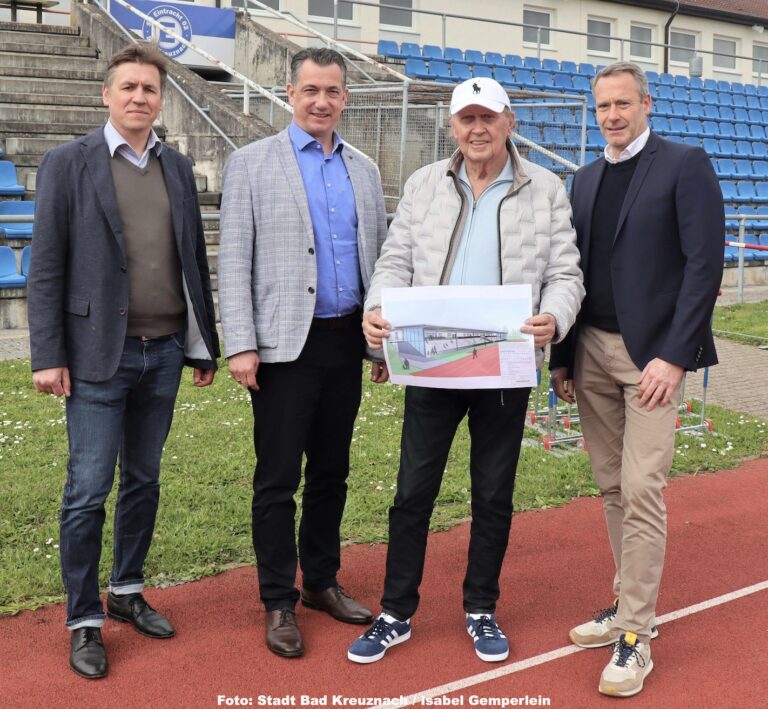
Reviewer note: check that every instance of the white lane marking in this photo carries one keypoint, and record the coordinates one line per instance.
(565, 651)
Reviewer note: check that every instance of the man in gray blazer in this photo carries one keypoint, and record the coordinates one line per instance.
(119, 301)
(302, 222)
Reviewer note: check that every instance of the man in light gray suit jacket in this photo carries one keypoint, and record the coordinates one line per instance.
(119, 301)
(302, 223)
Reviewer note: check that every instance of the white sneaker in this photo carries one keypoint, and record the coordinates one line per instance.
(631, 663)
(600, 631)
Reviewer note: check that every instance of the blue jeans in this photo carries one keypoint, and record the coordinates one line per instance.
(130, 415)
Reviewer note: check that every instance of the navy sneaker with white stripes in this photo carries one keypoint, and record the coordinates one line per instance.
(491, 644)
(385, 632)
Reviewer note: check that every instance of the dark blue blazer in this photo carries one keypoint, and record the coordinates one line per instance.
(78, 282)
(667, 258)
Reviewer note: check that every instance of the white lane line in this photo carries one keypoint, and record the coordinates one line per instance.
(564, 651)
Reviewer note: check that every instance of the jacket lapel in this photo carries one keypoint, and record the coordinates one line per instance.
(175, 195)
(646, 159)
(97, 159)
(295, 182)
(352, 162)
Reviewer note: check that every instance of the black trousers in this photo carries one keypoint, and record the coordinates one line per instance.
(306, 407)
(496, 419)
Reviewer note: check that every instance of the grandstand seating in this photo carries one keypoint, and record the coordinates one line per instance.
(8, 183)
(16, 230)
(9, 275)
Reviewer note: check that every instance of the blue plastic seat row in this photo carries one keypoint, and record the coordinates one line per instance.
(16, 230)
(728, 168)
(744, 191)
(748, 210)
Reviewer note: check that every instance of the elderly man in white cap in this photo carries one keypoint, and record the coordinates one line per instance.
(483, 217)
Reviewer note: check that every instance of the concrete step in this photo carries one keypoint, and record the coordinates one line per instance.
(51, 72)
(34, 144)
(34, 87)
(48, 39)
(50, 99)
(12, 63)
(72, 129)
(53, 30)
(40, 116)
(59, 50)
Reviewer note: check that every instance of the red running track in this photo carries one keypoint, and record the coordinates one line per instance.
(557, 572)
(486, 364)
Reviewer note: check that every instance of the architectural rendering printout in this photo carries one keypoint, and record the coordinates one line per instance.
(459, 337)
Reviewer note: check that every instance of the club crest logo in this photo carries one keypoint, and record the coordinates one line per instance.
(175, 21)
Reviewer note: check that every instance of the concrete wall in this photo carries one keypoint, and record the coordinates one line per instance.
(184, 125)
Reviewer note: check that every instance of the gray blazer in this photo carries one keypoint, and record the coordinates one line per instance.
(266, 267)
(78, 281)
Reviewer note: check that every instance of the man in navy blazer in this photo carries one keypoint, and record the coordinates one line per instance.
(119, 301)
(649, 220)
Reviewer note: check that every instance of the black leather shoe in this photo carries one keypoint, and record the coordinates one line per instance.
(135, 610)
(336, 602)
(87, 656)
(283, 635)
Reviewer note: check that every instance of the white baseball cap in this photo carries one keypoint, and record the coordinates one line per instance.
(480, 91)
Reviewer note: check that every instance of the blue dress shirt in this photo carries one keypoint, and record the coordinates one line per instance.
(117, 144)
(331, 201)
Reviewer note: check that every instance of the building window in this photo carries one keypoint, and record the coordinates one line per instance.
(599, 32)
(542, 18)
(637, 47)
(324, 8)
(687, 42)
(725, 51)
(274, 4)
(401, 18)
(760, 59)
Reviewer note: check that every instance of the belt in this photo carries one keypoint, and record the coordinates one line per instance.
(343, 322)
(144, 338)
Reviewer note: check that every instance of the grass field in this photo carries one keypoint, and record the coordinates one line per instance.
(203, 525)
(746, 323)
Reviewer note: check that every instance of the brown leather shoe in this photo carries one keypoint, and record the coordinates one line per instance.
(283, 635)
(336, 602)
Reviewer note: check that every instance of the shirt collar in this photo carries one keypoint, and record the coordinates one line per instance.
(631, 150)
(301, 139)
(115, 140)
(506, 175)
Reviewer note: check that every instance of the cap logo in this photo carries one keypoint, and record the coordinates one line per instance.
(475, 88)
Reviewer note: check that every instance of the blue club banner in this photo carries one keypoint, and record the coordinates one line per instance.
(210, 28)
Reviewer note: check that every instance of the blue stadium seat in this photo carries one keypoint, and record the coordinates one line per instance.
(677, 125)
(662, 107)
(742, 130)
(563, 116)
(15, 230)
(692, 140)
(586, 68)
(762, 192)
(652, 76)
(724, 99)
(660, 124)
(681, 80)
(524, 77)
(26, 254)
(765, 116)
(754, 115)
(741, 115)
(760, 168)
(504, 76)
(696, 95)
(754, 254)
(764, 102)
(753, 102)
(746, 191)
(544, 80)
(680, 94)
(726, 113)
(739, 100)
(543, 114)
(550, 65)
(530, 131)
(711, 112)
(762, 90)
(595, 140)
(710, 97)
(675, 138)
(712, 147)
(513, 60)
(747, 210)
(727, 130)
(730, 253)
(473, 56)
(695, 127)
(729, 147)
(417, 68)
(460, 72)
(762, 225)
(482, 70)
(681, 109)
(695, 110)
(388, 48)
(757, 132)
(664, 91)
(8, 183)
(728, 189)
(453, 54)
(710, 85)
(533, 63)
(554, 135)
(569, 67)
(724, 168)
(744, 149)
(737, 87)
(723, 85)
(666, 79)
(410, 50)
(759, 149)
(9, 274)
(494, 59)
(440, 69)
(563, 81)
(750, 89)
(581, 83)
(744, 169)
(431, 51)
